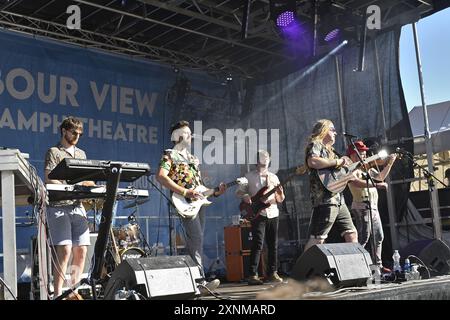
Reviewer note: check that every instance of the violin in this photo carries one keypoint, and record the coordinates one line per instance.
(382, 161)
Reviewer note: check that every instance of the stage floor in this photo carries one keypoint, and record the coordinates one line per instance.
(437, 288)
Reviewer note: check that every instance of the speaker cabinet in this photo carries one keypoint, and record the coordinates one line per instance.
(343, 264)
(165, 277)
(238, 243)
(434, 253)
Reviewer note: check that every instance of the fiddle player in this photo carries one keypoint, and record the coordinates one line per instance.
(368, 221)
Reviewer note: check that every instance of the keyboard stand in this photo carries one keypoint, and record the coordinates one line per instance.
(112, 183)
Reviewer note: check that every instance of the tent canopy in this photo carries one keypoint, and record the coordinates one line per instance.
(439, 123)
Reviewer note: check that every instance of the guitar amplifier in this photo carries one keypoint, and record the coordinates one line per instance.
(238, 243)
(238, 238)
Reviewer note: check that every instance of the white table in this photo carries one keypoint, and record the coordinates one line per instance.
(17, 182)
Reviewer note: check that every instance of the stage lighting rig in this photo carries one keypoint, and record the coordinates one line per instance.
(283, 12)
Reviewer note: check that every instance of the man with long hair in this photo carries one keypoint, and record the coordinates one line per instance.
(67, 220)
(180, 173)
(329, 209)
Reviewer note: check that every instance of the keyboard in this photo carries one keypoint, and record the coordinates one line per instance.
(58, 192)
(76, 170)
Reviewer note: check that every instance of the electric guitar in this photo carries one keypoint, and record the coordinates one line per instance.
(253, 210)
(189, 208)
(335, 180)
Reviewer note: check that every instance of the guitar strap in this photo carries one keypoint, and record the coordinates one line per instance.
(192, 166)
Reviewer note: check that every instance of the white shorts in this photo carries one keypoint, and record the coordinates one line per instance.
(68, 225)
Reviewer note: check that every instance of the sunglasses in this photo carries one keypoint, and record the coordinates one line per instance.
(75, 132)
(332, 129)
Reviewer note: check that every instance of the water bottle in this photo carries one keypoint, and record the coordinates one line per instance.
(407, 266)
(415, 272)
(396, 258)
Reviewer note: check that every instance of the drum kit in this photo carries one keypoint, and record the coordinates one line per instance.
(126, 241)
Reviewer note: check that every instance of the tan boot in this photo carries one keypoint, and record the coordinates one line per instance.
(274, 277)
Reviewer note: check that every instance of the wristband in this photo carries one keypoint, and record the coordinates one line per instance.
(337, 165)
(184, 192)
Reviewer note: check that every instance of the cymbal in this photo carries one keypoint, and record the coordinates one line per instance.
(136, 203)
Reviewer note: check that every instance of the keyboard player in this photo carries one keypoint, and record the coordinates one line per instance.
(67, 219)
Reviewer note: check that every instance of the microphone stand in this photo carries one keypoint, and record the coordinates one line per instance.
(367, 178)
(170, 205)
(427, 174)
(430, 176)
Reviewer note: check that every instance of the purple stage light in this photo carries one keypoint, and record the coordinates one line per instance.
(285, 18)
(332, 35)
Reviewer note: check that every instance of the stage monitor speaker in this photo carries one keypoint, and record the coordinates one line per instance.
(164, 277)
(342, 264)
(434, 253)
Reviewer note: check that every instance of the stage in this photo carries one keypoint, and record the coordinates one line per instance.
(437, 288)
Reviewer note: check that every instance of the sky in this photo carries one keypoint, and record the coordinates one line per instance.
(434, 43)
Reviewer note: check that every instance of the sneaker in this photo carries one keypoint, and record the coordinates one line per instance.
(206, 287)
(74, 296)
(274, 277)
(213, 285)
(254, 280)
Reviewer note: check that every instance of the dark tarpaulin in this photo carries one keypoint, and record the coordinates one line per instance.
(293, 104)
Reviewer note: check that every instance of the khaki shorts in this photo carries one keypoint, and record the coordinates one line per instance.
(325, 217)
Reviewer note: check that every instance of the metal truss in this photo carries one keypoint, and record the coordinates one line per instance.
(96, 40)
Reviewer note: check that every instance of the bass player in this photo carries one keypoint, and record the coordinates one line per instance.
(265, 225)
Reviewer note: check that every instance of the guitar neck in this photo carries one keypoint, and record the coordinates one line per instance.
(268, 194)
(230, 184)
(210, 192)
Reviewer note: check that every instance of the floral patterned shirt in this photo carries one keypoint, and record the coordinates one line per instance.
(320, 195)
(184, 171)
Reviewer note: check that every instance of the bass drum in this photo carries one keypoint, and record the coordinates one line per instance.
(132, 253)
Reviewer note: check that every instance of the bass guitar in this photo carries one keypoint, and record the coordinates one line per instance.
(335, 180)
(189, 208)
(252, 211)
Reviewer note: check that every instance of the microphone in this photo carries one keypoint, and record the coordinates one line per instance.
(348, 135)
(201, 137)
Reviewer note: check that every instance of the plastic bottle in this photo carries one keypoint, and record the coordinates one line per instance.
(415, 272)
(407, 265)
(396, 258)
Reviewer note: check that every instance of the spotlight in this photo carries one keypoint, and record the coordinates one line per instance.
(283, 12)
(229, 78)
(333, 34)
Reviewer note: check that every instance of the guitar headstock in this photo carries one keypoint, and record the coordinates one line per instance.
(383, 154)
(241, 180)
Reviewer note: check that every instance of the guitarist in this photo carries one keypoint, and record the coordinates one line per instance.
(266, 224)
(328, 208)
(360, 205)
(179, 172)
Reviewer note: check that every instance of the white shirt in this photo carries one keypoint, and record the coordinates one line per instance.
(71, 150)
(256, 181)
